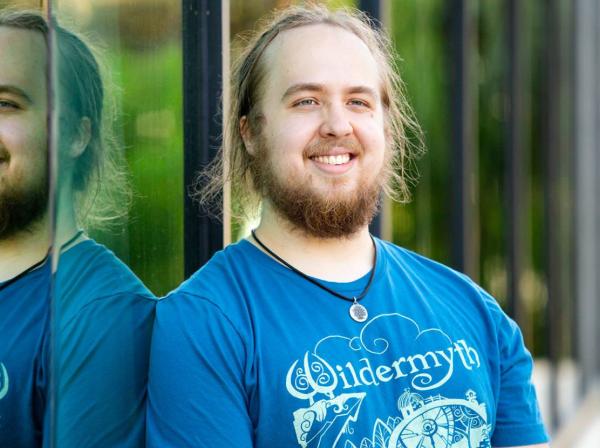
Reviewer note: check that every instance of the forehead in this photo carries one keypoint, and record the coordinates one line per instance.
(23, 60)
(322, 54)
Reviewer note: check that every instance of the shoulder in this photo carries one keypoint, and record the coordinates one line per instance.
(222, 290)
(224, 274)
(216, 276)
(90, 277)
(418, 264)
(459, 299)
(419, 267)
(440, 280)
(99, 269)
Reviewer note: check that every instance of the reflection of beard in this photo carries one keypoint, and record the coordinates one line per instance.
(320, 216)
(20, 206)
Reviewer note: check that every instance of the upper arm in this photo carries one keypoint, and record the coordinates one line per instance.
(518, 420)
(196, 392)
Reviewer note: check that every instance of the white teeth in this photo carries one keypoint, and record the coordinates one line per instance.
(333, 160)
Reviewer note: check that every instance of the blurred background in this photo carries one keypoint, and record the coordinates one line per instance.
(508, 95)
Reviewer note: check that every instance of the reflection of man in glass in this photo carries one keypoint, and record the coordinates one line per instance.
(93, 353)
(312, 333)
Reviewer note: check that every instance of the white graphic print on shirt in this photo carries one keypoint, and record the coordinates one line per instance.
(431, 422)
(3, 381)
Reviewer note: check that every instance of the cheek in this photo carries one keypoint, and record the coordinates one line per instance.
(23, 135)
(27, 145)
(292, 135)
(12, 135)
(372, 136)
(292, 131)
(288, 142)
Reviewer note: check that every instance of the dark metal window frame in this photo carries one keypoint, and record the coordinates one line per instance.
(203, 123)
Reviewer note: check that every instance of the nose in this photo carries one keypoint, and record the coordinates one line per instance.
(335, 122)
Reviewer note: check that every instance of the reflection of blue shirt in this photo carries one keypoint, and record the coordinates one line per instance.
(102, 327)
(24, 314)
(247, 353)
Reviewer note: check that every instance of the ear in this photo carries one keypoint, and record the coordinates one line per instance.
(246, 135)
(82, 138)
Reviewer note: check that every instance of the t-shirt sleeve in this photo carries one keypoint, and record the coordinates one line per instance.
(197, 392)
(102, 373)
(518, 418)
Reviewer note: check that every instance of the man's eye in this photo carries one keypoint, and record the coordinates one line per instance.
(358, 102)
(5, 104)
(306, 102)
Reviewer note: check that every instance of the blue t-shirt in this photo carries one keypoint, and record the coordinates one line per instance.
(24, 320)
(247, 353)
(97, 345)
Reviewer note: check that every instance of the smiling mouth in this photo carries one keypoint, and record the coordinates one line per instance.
(339, 159)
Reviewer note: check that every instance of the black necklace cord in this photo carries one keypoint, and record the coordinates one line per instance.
(319, 284)
(34, 266)
(22, 274)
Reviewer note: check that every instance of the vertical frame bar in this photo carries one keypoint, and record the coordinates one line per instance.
(225, 77)
(596, 363)
(516, 162)
(53, 166)
(373, 8)
(202, 83)
(465, 211)
(551, 104)
(587, 187)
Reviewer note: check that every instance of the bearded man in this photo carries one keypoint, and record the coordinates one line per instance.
(73, 364)
(311, 332)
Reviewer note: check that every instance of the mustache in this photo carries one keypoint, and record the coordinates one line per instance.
(324, 147)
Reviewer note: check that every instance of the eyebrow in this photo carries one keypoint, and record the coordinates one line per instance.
(16, 91)
(319, 88)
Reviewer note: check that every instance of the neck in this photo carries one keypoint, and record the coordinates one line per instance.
(341, 259)
(66, 222)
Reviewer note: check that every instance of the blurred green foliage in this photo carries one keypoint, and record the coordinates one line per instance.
(416, 29)
(146, 67)
(153, 134)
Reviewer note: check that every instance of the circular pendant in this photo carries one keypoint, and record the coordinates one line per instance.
(358, 312)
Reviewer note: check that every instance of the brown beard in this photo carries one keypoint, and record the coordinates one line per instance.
(21, 208)
(308, 211)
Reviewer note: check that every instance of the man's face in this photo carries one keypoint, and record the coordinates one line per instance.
(321, 150)
(23, 130)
